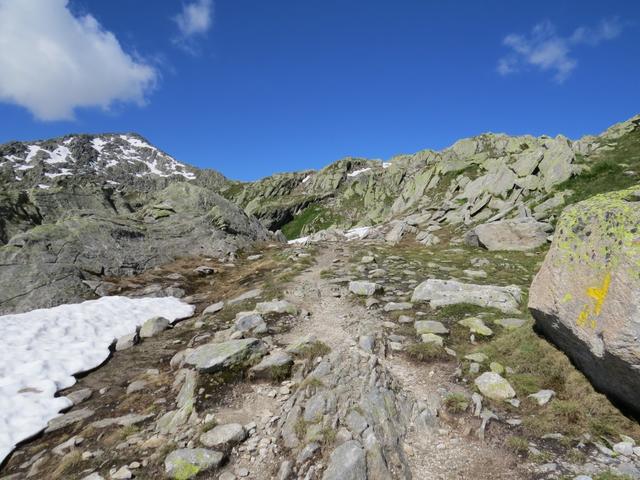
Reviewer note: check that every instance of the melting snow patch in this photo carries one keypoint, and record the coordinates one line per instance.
(386, 164)
(43, 349)
(59, 155)
(298, 241)
(306, 179)
(98, 144)
(357, 233)
(44, 187)
(355, 173)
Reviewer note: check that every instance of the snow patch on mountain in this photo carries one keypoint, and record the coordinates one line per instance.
(73, 155)
(43, 349)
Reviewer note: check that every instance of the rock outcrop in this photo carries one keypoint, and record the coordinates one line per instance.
(80, 238)
(586, 296)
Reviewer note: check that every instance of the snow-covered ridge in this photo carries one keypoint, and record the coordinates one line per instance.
(43, 349)
(102, 154)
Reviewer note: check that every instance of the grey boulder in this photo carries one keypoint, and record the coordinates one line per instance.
(516, 235)
(186, 463)
(213, 357)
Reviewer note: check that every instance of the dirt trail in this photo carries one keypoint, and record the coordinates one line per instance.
(451, 451)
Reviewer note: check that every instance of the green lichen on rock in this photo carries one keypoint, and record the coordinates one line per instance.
(601, 232)
(184, 470)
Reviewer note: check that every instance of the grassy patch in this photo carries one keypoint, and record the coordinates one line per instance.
(426, 352)
(280, 372)
(69, 463)
(577, 409)
(518, 445)
(606, 172)
(312, 219)
(456, 403)
(314, 350)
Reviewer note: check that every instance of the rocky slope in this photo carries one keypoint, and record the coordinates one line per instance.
(392, 341)
(79, 208)
(477, 179)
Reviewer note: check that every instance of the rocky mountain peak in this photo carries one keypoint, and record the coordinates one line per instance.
(116, 158)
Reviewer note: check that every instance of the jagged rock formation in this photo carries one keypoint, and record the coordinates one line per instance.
(480, 179)
(585, 298)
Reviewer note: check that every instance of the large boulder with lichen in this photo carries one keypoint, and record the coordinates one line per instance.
(586, 297)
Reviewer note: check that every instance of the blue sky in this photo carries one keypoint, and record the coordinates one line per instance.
(250, 87)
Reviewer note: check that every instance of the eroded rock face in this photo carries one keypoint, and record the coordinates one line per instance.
(586, 297)
(518, 234)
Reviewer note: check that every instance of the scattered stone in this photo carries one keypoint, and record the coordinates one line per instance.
(364, 288)
(475, 273)
(432, 338)
(301, 344)
(126, 341)
(624, 448)
(69, 418)
(277, 306)
(186, 463)
(307, 452)
(476, 325)
(496, 367)
(79, 396)
(213, 357)
(477, 357)
(542, 397)
(224, 437)
(272, 365)
(249, 295)
(250, 322)
(252, 258)
(493, 386)
(136, 386)
(430, 326)
(395, 306)
(124, 421)
(204, 270)
(153, 326)
(214, 308)
(122, 474)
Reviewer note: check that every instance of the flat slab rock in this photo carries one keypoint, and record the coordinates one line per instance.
(69, 418)
(515, 235)
(440, 293)
(214, 357)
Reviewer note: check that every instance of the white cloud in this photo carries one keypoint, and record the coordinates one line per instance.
(195, 18)
(52, 62)
(545, 50)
